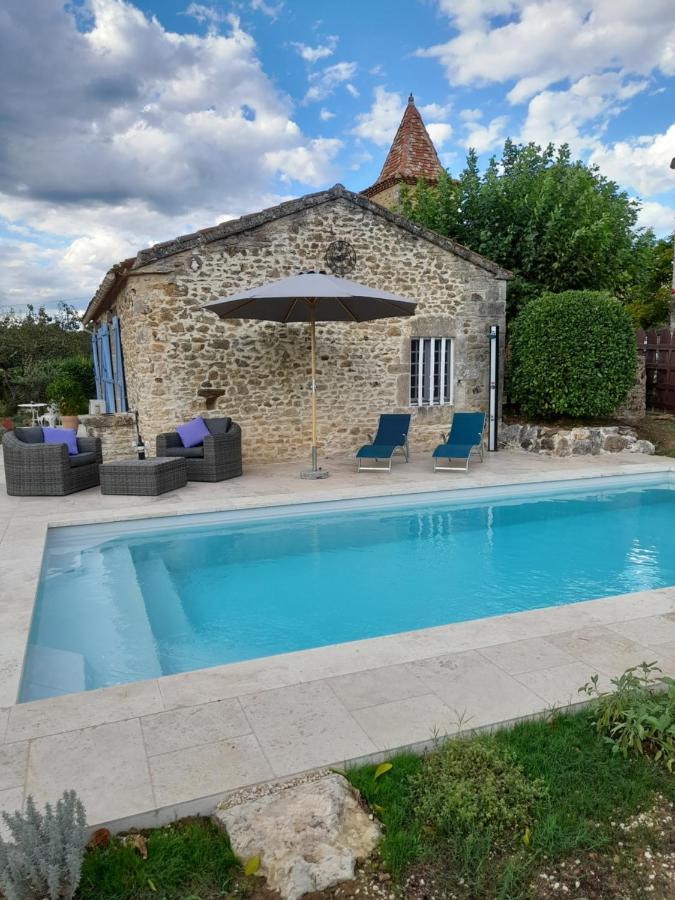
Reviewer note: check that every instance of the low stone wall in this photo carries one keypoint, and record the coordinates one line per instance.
(574, 441)
(117, 432)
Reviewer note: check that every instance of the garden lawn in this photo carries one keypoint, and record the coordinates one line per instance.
(190, 860)
(588, 790)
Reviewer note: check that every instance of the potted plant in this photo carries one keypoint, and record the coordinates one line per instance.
(68, 395)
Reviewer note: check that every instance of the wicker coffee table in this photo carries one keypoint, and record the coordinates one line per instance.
(145, 477)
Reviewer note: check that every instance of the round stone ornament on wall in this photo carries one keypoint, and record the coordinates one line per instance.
(340, 257)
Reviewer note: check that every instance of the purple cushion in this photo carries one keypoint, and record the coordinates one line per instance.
(65, 436)
(192, 434)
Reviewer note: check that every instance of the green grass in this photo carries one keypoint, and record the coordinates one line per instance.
(191, 860)
(586, 788)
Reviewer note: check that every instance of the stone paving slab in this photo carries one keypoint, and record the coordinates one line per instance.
(653, 630)
(146, 752)
(180, 729)
(401, 723)
(107, 764)
(303, 727)
(526, 656)
(213, 768)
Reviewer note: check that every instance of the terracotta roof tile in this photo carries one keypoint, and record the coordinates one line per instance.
(412, 154)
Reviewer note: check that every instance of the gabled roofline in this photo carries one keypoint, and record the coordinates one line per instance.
(116, 277)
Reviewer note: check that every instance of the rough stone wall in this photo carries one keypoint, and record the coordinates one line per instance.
(551, 441)
(181, 361)
(389, 197)
(634, 406)
(117, 432)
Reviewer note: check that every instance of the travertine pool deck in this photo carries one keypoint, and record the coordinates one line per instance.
(143, 753)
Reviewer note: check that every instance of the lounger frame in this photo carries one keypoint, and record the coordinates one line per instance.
(402, 448)
(480, 448)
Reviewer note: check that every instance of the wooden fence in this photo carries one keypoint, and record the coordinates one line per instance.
(659, 350)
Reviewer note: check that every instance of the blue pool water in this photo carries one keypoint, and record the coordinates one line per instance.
(122, 603)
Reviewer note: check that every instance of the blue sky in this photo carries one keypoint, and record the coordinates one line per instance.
(129, 123)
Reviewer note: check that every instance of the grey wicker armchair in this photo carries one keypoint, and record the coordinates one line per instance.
(36, 469)
(217, 459)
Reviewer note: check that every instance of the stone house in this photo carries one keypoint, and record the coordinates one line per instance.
(163, 355)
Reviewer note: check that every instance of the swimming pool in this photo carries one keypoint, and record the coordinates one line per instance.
(128, 601)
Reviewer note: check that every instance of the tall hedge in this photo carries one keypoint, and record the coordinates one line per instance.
(572, 354)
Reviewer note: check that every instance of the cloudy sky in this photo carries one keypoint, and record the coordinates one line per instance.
(127, 123)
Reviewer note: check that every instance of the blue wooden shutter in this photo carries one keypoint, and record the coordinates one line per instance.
(120, 391)
(97, 366)
(105, 361)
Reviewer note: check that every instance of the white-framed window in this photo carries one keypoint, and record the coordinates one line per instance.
(431, 371)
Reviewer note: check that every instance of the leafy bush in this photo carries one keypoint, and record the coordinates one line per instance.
(472, 793)
(45, 858)
(633, 717)
(572, 354)
(72, 385)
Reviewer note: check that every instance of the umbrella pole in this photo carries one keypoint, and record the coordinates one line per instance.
(315, 471)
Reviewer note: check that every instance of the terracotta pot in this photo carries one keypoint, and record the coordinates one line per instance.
(70, 422)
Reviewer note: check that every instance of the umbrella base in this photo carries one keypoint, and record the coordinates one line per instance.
(315, 473)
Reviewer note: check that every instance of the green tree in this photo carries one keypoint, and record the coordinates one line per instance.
(648, 294)
(31, 346)
(556, 223)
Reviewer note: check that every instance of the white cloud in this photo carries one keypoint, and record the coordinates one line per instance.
(310, 164)
(326, 115)
(547, 41)
(167, 133)
(435, 110)
(351, 89)
(485, 137)
(323, 83)
(271, 10)
(641, 163)
(379, 124)
(559, 116)
(314, 54)
(657, 216)
(470, 115)
(206, 15)
(439, 132)
(472, 13)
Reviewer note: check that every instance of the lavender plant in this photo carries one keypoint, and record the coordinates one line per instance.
(44, 859)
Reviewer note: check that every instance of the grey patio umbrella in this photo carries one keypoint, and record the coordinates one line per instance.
(312, 297)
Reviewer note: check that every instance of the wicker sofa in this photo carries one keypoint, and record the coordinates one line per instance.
(36, 469)
(217, 459)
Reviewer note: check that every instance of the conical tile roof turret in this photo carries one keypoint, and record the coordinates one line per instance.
(412, 155)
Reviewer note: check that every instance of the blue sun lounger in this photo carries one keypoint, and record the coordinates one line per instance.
(392, 435)
(465, 435)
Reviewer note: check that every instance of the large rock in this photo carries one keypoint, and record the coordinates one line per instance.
(614, 443)
(642, 447)
(308, 835)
